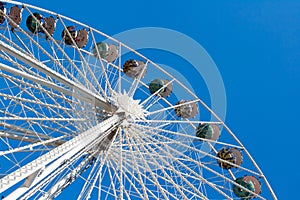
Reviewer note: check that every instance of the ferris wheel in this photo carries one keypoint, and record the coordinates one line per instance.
(80, 117)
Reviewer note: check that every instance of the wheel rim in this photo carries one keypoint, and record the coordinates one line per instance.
(153, 153)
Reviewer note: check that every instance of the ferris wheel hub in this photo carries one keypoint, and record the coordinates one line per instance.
(131, 107)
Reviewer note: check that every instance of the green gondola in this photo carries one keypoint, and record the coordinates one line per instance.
(249, 182)
(35, 25)
(208, 131)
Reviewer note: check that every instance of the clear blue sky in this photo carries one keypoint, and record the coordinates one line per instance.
(256, 46)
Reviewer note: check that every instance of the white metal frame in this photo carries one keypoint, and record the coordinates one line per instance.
(131, 141)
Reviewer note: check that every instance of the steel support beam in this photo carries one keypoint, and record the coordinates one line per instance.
(41, 167)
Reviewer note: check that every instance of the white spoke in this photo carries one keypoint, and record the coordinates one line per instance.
(187, 136)
(176, 122)
(172, 141)
(160, 158)
(30, 147)
(136, 165)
